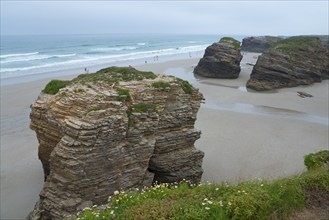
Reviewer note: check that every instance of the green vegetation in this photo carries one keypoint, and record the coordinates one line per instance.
(296, 43)
(160, 85)
(109, 75)
(317, 159)
(140, 108)
(256, 199)
(114, 74)
(143, 107)
(124, 94)
(186, 86)
(236, 43)
(54, 86)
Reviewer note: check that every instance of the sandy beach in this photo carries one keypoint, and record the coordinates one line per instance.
(245, 134)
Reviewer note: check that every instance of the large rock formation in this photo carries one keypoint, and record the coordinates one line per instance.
(290, 62)
(221, 60)
(258, 44)
(112, 130)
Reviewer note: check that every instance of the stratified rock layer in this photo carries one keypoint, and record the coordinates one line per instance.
(221, 60)
(290, 62)
(258, 44)
(113, 130)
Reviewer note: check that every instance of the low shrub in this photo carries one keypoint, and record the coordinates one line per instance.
(54, 86)
(317, 159)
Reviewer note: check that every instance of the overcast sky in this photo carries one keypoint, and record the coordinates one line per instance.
(184, 17)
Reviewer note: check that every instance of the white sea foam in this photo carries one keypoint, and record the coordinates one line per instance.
(106, 49)
(17, 55)
(27, 58)
(88, 60)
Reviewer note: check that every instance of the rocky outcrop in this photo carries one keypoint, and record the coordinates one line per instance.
(290, 62)
(112, 130)
(258, 44)
(221, 60)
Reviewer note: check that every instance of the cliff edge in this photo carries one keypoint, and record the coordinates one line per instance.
(115, 129)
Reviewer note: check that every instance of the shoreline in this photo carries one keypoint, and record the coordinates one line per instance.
(72, 72)
(238, 145)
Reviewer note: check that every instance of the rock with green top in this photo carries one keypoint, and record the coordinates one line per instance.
(221, 60)
(290, 62)
(116, 129)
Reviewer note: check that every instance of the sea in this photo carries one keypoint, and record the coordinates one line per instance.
(32, 57)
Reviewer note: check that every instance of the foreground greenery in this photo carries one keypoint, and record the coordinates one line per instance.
(256, 199)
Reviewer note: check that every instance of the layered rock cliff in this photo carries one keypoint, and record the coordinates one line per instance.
(258, 44)
(221, 60)
(290, 62)
(112, 130)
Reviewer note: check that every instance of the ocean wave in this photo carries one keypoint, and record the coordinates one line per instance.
(141, 44)
(106, 49)
(64, 55)
(91, 59)
(18, 55)
(33, 57)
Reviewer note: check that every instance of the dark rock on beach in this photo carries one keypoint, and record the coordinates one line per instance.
(290, 62)
(115, 129)
(221, 60)
(258, 44)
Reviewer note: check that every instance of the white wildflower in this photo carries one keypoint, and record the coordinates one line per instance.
(216, 189)
(210, 202)
(207, 208)
(203, 203)
(116, 192)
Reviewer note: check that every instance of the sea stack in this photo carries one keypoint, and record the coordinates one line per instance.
(290, 62)
(116, 129)
(258, 44)
(221, 60)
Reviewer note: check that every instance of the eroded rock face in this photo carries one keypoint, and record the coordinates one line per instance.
(258, 44)
(221, 60)
(290, 62)
(113, 130)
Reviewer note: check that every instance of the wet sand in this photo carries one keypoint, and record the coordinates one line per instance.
(245, 134)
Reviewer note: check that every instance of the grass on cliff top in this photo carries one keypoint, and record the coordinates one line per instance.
(256, 199)
(236, 43)
(54, 86)
(296, 43)
(109, 75)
